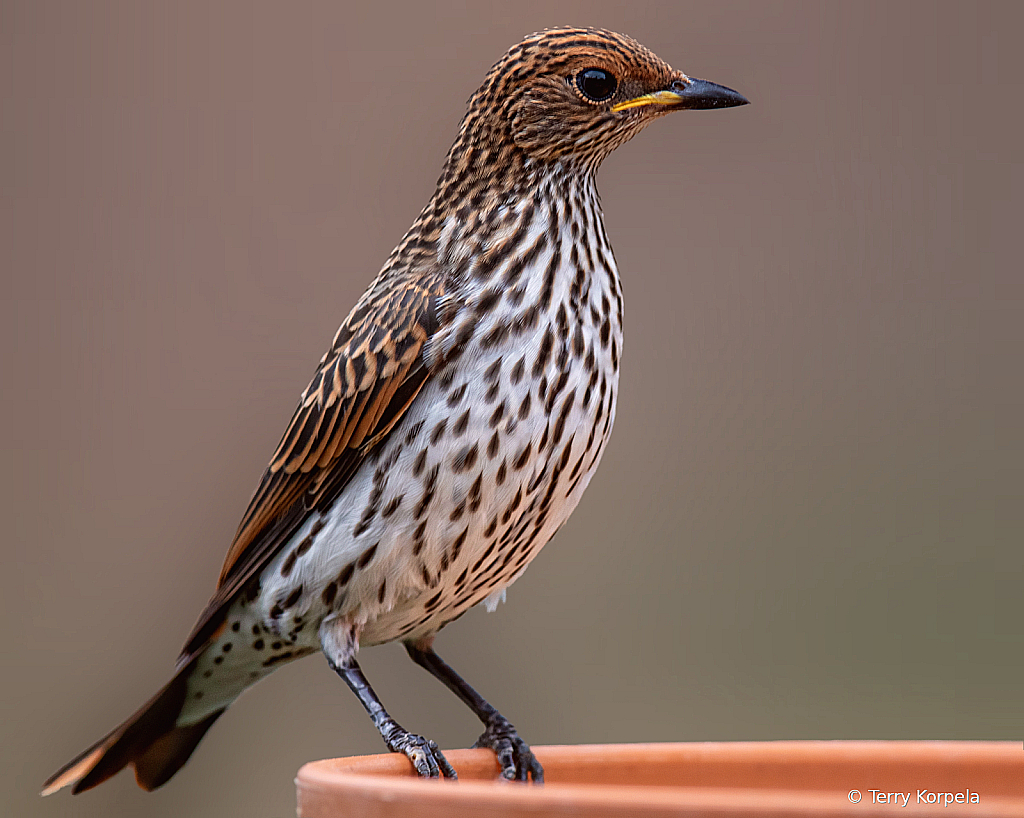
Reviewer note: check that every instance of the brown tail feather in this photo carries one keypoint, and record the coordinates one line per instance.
(169, 753)
(149, 741)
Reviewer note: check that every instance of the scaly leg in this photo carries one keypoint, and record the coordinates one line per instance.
(340, 643)
(517, 760)
(423, 753)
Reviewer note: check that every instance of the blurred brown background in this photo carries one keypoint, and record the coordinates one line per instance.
(808, 523)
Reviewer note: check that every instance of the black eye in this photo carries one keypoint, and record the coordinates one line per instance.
(596, 84)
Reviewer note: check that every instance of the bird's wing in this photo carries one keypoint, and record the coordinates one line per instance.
(362, 387)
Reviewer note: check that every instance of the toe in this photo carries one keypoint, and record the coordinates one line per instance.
(426, 758)
(507, 760)
(446, 769)
(424, 763)
(515, 758)
(523, 759)
(536, 770)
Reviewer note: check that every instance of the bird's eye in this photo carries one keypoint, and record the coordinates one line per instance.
(596, 84)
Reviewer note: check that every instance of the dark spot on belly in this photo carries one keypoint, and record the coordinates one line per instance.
(559, 385)
(428, 492)
(459, 541)
(417, 538)
(419, 463)
(413, 432)
(308, 541)
(563, 415)
(498, 333)
(523, 457)
(563, 461)
(392, 506)
(456, 395)
(292, 598)
(524, 407)
(476, 492)
(544, 437)
(447, 377)
(577, 342)
(518, 370)
(507, 515)
(562, 320)
(288, 564)
(252, 590)
(544, 354)
(527, 320)
(464, 459)
(367, 555)
(485, 555)
(493, 372)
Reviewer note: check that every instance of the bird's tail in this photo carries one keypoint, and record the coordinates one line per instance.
(151, 741)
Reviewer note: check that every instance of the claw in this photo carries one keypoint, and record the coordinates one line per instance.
(447, 770)
(424, 754)
(516, 759)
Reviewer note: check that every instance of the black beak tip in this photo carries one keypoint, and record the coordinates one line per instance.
(701, 94)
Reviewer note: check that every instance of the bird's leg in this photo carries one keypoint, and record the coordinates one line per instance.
(423, 753)
(518, 763)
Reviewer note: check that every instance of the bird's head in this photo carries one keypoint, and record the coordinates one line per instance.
(576, 94)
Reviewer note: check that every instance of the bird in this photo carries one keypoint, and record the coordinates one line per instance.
(451, 427)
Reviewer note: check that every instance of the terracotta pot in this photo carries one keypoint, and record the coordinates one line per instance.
(793, 778)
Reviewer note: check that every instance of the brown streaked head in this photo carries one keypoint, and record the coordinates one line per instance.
(576, 94)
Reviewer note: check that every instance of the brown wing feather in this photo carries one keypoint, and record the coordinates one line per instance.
(363, 385)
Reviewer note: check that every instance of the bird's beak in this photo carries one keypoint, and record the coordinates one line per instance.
(687, 93)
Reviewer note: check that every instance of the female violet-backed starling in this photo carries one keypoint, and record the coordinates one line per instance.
(453, 424)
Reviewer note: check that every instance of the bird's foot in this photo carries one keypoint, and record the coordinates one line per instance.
(428, 760)
(518, 763)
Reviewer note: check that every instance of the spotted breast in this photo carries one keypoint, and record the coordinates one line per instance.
(481, 471)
